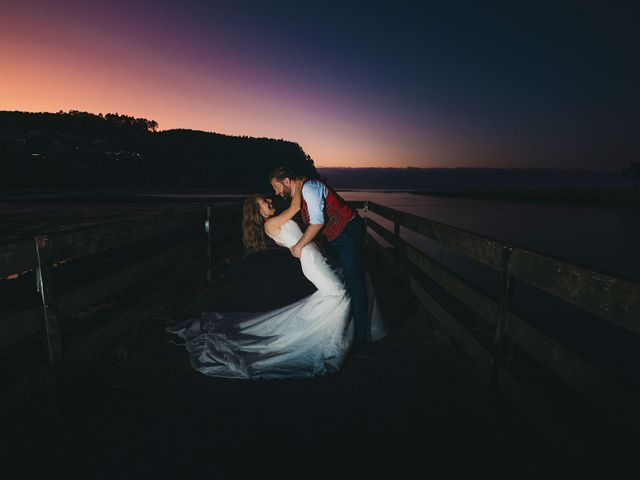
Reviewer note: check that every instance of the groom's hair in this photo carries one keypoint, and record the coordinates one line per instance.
(280, 173)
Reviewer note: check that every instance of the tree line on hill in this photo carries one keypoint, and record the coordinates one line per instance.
(81, 150)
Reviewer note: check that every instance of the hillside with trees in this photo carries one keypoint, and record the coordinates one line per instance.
(80, 150)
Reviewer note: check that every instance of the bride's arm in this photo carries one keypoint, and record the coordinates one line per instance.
(274, 223)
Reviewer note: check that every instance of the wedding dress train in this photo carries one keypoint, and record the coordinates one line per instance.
(308, 337)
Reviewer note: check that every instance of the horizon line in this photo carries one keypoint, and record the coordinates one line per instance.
(409, 167)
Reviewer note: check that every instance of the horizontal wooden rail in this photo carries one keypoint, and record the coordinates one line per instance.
(104, 287)
(466, 293)
(65, 245)
(593, 383)
(605, 295)
(612, 298)
(70, 245)
(19, 325)
(18, 328)
(380, 230)
(482, 249)
(21, 256)
(90, 343)
(480, 353)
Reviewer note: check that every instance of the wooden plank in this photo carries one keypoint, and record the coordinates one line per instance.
(69, 245)
(17, 258)
(387, 235)
(482, 249)
(383, 211)
(609, 297)
(104, 287)
(605, 295)
(20, 256)
(357, 204)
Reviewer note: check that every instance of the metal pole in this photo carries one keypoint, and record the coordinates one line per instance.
(45, 287)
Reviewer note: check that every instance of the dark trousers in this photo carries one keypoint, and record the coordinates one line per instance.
(349, 246)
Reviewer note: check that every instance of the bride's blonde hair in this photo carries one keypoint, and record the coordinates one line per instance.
(253, 224)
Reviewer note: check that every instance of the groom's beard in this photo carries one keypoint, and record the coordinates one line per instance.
(286, 192)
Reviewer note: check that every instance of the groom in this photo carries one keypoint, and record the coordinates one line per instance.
(323, 210)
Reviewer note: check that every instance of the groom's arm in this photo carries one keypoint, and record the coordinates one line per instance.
(308, 236)
(313, 194)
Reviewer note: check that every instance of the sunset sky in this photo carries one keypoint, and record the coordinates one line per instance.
(442, 84)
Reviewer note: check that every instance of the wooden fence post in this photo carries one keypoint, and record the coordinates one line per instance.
(500, 337)
(396, 235)
(366, 213)
(208, 225)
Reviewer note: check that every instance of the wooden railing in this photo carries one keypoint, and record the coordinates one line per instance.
(192, 242)
(613, 299)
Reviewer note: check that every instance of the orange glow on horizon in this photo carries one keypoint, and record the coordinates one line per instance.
(56, 65)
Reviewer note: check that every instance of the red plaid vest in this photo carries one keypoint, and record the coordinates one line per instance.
(337, 214)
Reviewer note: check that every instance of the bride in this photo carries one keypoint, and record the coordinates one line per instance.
(308, 337)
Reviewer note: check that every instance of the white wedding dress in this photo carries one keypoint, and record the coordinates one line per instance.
(308, 337)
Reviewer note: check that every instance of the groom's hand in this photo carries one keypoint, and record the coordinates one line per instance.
(296, 250)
